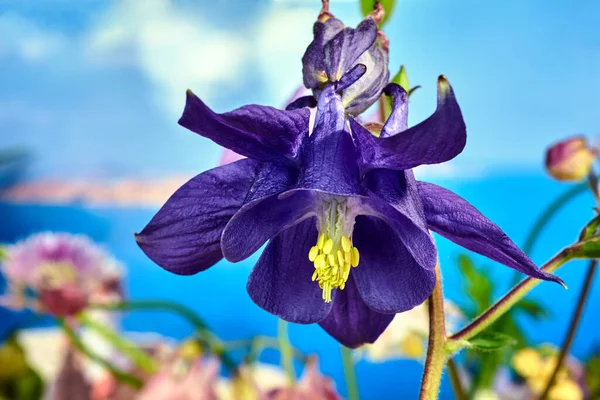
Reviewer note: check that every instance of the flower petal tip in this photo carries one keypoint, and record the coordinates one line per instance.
(444, 87)
(563, 284)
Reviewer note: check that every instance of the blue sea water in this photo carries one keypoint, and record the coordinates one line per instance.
(513, 201)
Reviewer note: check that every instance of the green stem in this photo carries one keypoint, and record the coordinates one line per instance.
(349, 373)
(120, 375)
(509, 300)
(214, 344)
(436, 349)
(459, 393)
(138, 356)
(545, 217)
(566, 347)
(285, 349)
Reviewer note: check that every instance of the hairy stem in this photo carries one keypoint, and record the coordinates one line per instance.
(349, 373)
(512, 297)
(436, 349)
(214, 344)
(564, 351)
(459, 393)
(285, 350)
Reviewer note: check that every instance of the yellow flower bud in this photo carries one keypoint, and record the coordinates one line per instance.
(527, 362)
(565, 390)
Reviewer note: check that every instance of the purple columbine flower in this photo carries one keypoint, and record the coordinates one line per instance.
(347, 224)
(335, 50)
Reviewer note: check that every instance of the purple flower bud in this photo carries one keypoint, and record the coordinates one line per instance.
(570, 159)
(336, 49)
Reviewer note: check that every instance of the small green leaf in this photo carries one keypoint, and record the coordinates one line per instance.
(412, 90)
(367, 6)
(591, 229)
(532, 308)
(477, 284)
(490, 341)
(401, 78)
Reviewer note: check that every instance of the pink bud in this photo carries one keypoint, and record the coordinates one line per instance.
(570, 159)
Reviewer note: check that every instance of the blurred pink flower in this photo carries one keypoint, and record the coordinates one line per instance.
(62, 270)
(312, 386)
(196, 382)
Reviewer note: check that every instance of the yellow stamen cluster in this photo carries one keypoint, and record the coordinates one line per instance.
(54, 275)
(332, 260)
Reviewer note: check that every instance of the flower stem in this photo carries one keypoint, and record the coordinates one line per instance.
(138, 356)
(509, 300)
(436, 349)
(349, 373)
(285, 349)
(201, 327)
(120, 375)
(459, 393)
(564, 351)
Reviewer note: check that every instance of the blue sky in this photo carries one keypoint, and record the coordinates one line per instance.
(94, 88)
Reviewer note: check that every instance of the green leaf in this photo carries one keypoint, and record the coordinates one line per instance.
(412, 90)
(401, 78)
(591, 229)
(490, 341)
(366, 7)
(532, 308)
(477, 284)
(29, 387)
(592, 375)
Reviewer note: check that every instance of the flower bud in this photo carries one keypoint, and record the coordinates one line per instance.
(336, 49)
(570, 159)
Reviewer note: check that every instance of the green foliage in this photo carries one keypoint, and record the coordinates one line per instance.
(18, 381)
(591, 229)
(366, 7)
(592, 376)
(589, 248)
(401, 79)
(477, 285)
(493, 346)
(490, 341)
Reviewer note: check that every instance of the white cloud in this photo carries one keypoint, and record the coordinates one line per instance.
(26, 41)
(281, 40)
(176, 50)
(448, 170)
